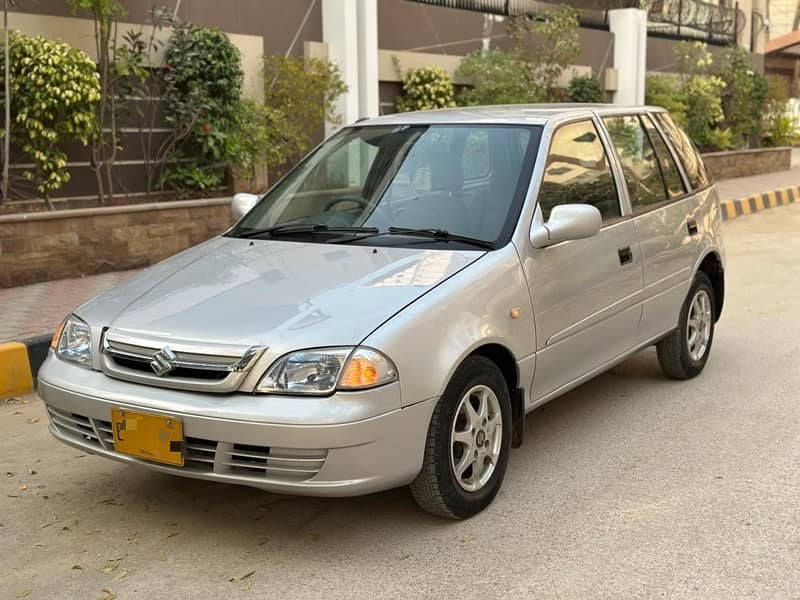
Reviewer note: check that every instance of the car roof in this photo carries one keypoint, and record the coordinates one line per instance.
(527, 114)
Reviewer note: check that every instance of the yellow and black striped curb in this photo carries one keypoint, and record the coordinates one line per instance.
(19, 365)
(732, 209)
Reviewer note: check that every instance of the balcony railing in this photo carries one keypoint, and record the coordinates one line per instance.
(682, 19)
(695, 19)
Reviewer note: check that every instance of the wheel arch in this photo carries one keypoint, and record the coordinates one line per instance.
(711, 265)
(505, 360)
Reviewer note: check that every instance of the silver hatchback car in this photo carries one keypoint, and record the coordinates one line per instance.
(391, 309)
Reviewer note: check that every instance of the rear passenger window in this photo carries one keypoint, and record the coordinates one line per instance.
(639, 163)
(687, 153)
(577, 172)
(669, 170)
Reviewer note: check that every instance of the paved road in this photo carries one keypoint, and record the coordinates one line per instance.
(630, 486)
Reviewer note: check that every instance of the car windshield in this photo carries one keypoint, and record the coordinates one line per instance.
(373, 184)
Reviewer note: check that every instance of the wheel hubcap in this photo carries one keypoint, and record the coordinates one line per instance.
(476, 438)
(698, 329)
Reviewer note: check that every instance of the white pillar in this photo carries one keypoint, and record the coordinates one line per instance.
(368, 101)
(629, 27)
(340, 33)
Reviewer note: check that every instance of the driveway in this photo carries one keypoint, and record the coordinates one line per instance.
(630, 486)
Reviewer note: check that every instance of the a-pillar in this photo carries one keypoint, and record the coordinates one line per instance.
(629, 28)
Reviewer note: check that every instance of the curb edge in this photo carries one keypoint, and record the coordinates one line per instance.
(739, 207)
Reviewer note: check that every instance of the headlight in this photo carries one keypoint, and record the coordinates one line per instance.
(321, 371)
(73, 341)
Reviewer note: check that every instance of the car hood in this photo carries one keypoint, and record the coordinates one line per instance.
(272, 293)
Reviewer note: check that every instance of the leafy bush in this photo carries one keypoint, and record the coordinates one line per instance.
(258, 142)
(702, 93)
(495, 77)
(547, 45)
(778, 128)
(54, 90)
(585, 88)
(203, 86)
(426, 88)
(665, 91)
(299, 96)
(743, 96)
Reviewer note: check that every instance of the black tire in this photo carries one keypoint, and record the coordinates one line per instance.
(673, 351)
(436, 489)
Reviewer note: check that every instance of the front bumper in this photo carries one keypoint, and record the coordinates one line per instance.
(335, 446)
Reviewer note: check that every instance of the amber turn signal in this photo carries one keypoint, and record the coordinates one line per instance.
(57, 335)
(366, 368)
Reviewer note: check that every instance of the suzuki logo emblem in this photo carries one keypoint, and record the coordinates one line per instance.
(163, 361)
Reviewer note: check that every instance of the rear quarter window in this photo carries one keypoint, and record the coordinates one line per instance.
(689, 156)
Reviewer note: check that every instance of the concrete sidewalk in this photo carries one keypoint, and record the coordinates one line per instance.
(31, 310)
(37, 309)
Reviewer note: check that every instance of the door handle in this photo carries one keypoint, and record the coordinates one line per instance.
(625, 255)
(691, 226)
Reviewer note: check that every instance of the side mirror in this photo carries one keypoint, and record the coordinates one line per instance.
(567, 222)
(241, 205)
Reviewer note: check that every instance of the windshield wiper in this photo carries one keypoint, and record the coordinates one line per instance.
(440, 234)
(290, 228)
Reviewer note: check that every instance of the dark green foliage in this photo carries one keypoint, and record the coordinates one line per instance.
(585, 88)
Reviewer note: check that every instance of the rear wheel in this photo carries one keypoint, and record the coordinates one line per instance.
(684, 353)
(469, 439)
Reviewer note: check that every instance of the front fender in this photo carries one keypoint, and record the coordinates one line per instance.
(429, 339)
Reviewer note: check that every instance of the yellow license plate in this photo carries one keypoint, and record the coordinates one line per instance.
(151, 437)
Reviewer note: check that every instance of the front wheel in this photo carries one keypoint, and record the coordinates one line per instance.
(469, 439)
(684, 353)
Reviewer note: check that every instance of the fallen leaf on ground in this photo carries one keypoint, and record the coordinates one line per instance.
(243, 577)
(31, 472)
(23, 487)
(24, 594)
(16, 401)
(110, 567)
(173, 534)
(77, 568)
(45, 525)
(108, 594)
(31, 421)
(40, 545)
(9, 474)
(122, 575)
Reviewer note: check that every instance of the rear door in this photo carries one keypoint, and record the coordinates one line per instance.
(665, 215)
(586, 293)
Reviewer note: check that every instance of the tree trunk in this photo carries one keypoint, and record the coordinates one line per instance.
(7, 137)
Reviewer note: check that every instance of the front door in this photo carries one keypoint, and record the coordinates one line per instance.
(586, 293)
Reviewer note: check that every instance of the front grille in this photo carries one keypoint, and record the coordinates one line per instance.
(143, 365)
(220, 370)
(206, 456)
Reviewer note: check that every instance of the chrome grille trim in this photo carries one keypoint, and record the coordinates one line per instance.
(219, 370)
(205, 456)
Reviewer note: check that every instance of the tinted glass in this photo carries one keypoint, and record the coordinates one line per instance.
(687, 153)
(577, 172)
(638, 159)
(669, 170)
(462, 179)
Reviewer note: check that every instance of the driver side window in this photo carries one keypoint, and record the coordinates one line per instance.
(577, 172)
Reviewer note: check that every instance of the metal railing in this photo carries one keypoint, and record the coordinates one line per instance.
(681, 19)
(695, 19)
